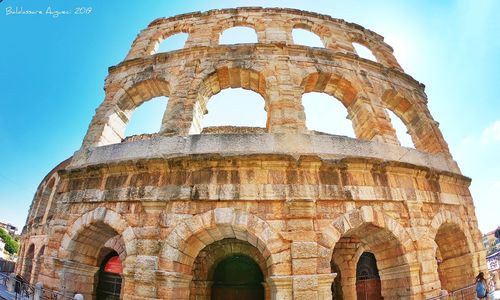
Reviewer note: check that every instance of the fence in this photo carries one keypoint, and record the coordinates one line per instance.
(17, 288)
(466, 293)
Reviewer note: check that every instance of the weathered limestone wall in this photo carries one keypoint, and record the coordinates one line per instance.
(304, 206)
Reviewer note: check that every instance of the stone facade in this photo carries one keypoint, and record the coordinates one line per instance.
(303, 206)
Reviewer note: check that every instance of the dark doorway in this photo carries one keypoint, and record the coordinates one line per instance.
(337, 283)
(109, 278)
(368, 285)
(238, 277)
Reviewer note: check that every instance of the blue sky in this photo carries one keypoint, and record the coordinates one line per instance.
(52, 73)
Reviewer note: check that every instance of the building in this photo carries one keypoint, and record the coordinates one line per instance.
(491, 241)
(11, 229)
(279, 212)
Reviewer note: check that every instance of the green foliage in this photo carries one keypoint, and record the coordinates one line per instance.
(11, 245)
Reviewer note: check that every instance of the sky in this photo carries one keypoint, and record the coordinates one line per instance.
(52, 72)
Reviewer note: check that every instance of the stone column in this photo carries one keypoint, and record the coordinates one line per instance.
(201, 289)
(77, 278)
(369, 122)
(325, 282)
(181, 108)
(173, 285)
(280, 287)
(316, 286)
(285, 110)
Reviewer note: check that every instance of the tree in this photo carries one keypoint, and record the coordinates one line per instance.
(11, 245)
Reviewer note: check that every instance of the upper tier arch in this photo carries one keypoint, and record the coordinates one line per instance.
(272, 25)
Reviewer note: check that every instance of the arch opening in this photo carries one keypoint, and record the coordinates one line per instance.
(367, 278)
(29, 258)
(91, 249)
(402, 134)
(229, 269)
(325, 115)
(238, 35)
(171, 43)
(112, 117)
(453, 257)
(306, 38)
(238, 277)
(235, 107)
(386, 253)
(364, 52)
(38, 263)
(238, 99)
(146, 119)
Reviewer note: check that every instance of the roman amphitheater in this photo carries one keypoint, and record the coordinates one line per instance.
(280, 212)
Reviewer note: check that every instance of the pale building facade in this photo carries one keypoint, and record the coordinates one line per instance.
(279, 212)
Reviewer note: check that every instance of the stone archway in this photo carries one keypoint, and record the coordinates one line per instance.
(453, 253)
(37, 265)
(189, 237)
(368, 230)
(210, 259)
(82, 247)
(29, 259)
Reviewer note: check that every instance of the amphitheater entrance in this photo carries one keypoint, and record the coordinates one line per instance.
(238, 277)
(109, 280)
(453, 257)
(96, 255)
(368, 285)
(371, 264)
(229, 269)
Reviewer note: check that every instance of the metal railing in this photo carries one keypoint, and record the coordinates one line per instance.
(19, 289)
(465, 293)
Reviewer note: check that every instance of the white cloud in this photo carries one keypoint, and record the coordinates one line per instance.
(491, 133)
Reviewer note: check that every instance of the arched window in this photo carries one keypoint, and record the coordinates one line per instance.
(306, 38)
(146, 119)
(401, 130)
(238, 35)
(325, 113)
(235, 107)
(173, 42)
(364, 52)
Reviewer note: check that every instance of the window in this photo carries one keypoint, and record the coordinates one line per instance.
(306, 38)
(364, 52)
(147, 117)
(235, 107)
(326, 114)
(401, 130)
(173, 42)
(238, 35)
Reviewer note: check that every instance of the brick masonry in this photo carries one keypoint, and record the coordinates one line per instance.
(297, 202)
